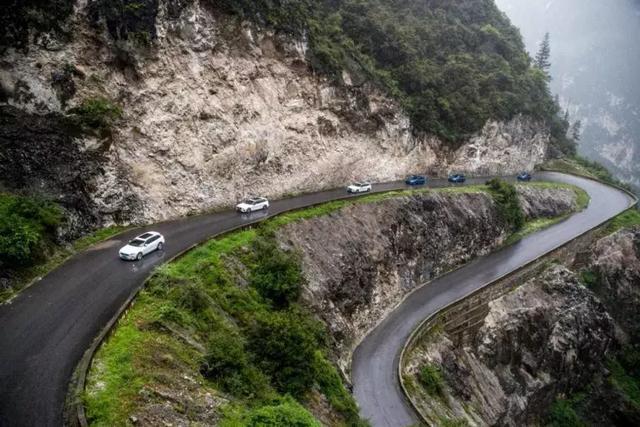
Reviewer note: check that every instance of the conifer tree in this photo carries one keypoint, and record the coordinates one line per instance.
(543, 57)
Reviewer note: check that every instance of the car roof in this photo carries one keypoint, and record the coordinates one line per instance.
(146, 235)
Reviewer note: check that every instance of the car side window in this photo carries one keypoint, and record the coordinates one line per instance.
(153, 239)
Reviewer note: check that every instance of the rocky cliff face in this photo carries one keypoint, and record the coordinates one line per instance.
(394, 246)
(215, 110)
(553, 336)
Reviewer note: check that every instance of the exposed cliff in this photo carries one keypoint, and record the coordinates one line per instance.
(395, 246)
(551, 350)
(214, 110)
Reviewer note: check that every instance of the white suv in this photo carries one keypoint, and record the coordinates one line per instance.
(359, 187)
(142, 245)
(253, 204)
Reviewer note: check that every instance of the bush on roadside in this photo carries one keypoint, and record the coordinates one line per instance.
(283, 345)
(277, 275)
(506, 197)
(430, 377)
(27, 226)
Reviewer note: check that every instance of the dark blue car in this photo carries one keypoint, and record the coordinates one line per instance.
(457, 178)
(415, 180)
(524, 176)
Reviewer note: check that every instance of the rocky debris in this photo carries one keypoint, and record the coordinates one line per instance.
(615, 262)
(215, 110)
(550, 336)
(394, 245)
(538, 202)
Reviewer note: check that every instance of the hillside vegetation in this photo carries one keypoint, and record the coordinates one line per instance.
(452, 64)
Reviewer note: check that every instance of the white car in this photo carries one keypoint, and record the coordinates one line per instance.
(253, 204)
(142, 245)
(359, 187)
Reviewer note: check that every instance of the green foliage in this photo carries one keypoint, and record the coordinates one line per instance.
(227, 363)
(21, 18)
(330, 384)
(277, 276)
(284, 412)
(626, 219)
(95, 115)
(27, 226)
(453, 65)
(283, 344)
(133, 20)
(563, 414)
(506, 198)
(590, 278)
(431, 379)
(625, 374)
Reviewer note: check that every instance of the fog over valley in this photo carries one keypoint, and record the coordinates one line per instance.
(595, 58)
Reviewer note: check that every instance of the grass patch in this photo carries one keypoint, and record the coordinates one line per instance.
(626, 219)
(563, 414)
(430, 377)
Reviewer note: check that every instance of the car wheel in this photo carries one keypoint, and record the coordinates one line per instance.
(160, 245)
(139, 257)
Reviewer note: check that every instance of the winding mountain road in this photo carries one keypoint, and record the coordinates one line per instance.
(46, 329)
(375, 361)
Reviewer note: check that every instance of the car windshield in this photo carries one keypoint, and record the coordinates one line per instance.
(358, 184)
(136, 242)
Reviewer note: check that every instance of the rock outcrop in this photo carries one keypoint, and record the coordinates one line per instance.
(558, 335)
(394, 246)
(548, 336)
(215, 110)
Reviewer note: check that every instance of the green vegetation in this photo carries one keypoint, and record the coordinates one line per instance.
(563, 414)
(625, 375)
(626, 219)
(431, 379)
(590, 278)
(506, 198)
(453, 65)
(27, 229)
(95, 115)
(283, 412)
(132, 20)
(578, 165)
(259, 343)
(22, 18)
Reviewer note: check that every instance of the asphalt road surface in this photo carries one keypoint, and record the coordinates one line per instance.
(47, 328)
(375, 361)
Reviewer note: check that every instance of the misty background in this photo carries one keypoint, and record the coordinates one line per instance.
(595, 67)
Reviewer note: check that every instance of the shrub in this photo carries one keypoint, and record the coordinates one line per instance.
(283, 344)
(562, 414)
(95, 115)
(285, 413)
(227, 364)
(21, 18)
(27, 225)
(431, 379)
(277, 275)
(506, 197)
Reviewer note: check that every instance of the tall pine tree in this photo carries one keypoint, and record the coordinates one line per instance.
(543, 57)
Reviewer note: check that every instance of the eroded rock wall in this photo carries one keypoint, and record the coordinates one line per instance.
(215, 110)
